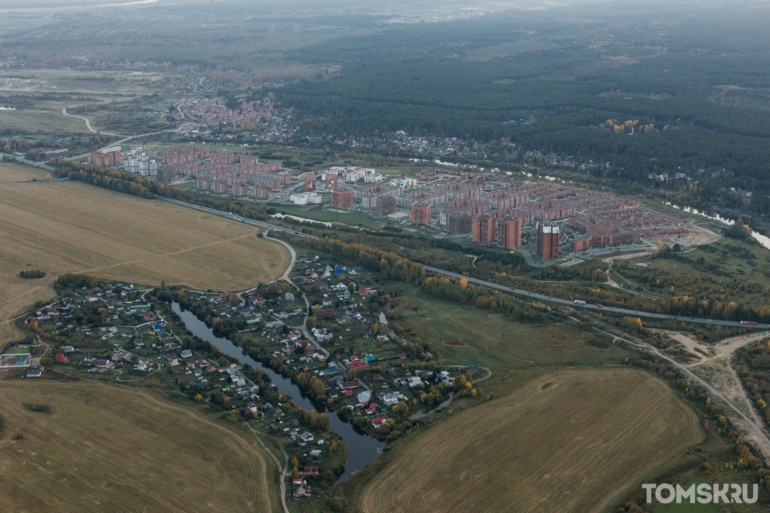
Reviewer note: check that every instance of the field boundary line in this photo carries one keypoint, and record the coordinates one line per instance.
(155, 257)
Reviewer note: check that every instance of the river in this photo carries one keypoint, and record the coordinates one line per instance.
(362, 448)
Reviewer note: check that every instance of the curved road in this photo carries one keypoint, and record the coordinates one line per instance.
(88, 123)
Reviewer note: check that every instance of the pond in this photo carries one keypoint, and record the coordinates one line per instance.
(362, 448)
(443, 404)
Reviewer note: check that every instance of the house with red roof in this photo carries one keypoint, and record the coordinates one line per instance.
(359, 365)
(378, 421)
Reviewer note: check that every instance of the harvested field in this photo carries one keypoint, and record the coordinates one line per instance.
(569, 442)
(16, 173)
(71, 227)
(103, 448)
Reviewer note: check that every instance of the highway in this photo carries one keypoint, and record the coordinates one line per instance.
(588, 306)
(236, 217)
(116, 143)
(502, 288)
(22, 160)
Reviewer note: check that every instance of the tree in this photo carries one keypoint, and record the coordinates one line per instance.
(317, 386)
(401, 408)
(324, 422)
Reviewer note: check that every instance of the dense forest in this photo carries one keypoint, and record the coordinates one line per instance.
(701, 84)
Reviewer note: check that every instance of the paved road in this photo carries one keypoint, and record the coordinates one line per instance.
(22, 160)
(236, 217)
(126, 138)
(502, 288)
(624, 311)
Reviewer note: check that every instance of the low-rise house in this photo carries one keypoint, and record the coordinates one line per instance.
(390, 399)
(378, 421)
(359, 365)
(103, 363)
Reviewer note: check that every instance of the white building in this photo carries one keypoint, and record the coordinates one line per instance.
(303, 198)
(352, 174)
(139, 161)
(404, 183)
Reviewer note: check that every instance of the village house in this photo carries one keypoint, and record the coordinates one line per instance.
(103, 363)
(378, 421)
(390, 399)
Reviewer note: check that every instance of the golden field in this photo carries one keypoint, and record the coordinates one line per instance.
(104, 448)
(568, 442)
(73, 227)
(10, 172)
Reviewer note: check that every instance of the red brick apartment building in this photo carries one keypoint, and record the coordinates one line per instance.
(420, 214)
(501, 232)
(547, 236)
(342, 199)
(240, 189)
(106, 159)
